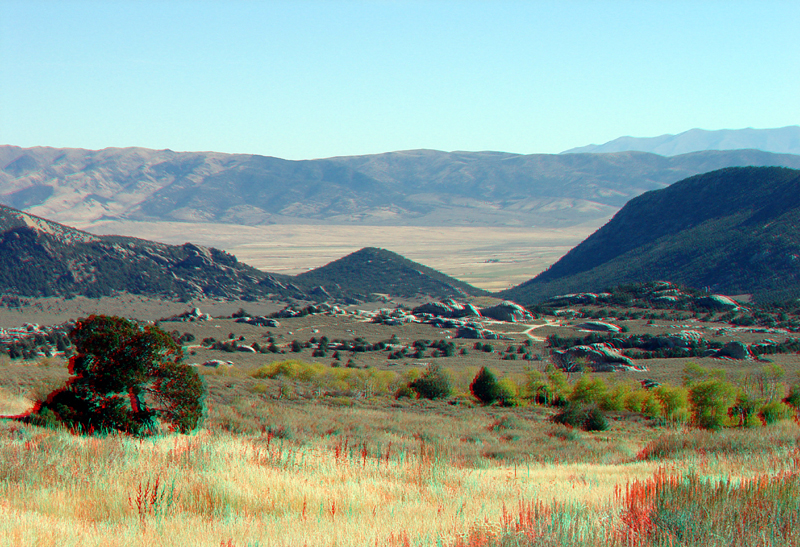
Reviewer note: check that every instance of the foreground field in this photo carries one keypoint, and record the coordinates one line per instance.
(349, 473)
(302, 450)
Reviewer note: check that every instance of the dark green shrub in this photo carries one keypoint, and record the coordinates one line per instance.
(433, 384)
(126, 378)
(595, 420)
(484, 386)
(572, 415)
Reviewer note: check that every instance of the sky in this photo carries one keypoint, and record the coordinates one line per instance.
(302, 79)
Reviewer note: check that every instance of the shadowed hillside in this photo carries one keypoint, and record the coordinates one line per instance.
(372, 270)
(43, 258)
(734, 231)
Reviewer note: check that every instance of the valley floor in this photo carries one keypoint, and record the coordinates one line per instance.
(490, 258)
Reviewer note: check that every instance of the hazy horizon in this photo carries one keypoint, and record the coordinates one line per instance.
(314, 79)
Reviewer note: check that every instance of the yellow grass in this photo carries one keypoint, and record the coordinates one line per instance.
(219, 488)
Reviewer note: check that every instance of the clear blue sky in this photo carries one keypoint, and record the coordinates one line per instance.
(306, 79)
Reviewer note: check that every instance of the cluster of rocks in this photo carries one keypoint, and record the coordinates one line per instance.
(189, 316)
(506, 311)
(602, 357)
(474, 331)
(259, 321)
(447, 308)
(663, 292)
(315, 309)
(599, 326)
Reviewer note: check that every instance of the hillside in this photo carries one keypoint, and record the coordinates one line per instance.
(43, 258)
(734, 231)
(420, 187)
(372, 270)
(784, 140)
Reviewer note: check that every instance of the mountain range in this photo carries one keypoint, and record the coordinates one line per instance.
(733, 231)
(784, 140)
(420, 187)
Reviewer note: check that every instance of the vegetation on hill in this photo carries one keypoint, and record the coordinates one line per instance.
(732, 231)
(373, 270)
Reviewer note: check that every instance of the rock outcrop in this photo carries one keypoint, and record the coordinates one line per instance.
(717, 302)
(735, 350)
(507, 311)
(598, 326)
(190, 316)
(597, 357)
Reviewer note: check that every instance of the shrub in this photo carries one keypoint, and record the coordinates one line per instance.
(793, 399)
(484, 386)
(404, 392)
(433, 384)
(588, 390)
(507, 392)
(595, 420)
(774, 411)
(653, 407)
(675, 401)
(614, 398)
(710, 401)
(575, 415)
(572, 415)
(537, 388)
(744, 408)
(126, 378)
(634, 400)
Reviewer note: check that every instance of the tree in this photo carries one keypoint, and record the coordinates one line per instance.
(433, 384)
(126, 378)
(484, 386)
(710, 401)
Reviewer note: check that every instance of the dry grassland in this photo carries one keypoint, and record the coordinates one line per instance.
(292, 474)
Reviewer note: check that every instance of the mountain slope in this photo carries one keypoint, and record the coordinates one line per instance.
(784, 140)
(421, 187)
(43, 258)
(735, 231)
(372, 270)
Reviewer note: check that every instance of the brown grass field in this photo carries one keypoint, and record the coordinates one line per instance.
(319, 455)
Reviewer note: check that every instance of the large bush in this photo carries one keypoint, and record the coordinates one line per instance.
(433, 384)
(484, 386)
(711, 400)
(127, 378)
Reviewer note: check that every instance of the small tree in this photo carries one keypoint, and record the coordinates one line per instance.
(127, 378)
(433, 384)
(710, 401)
(484, 386)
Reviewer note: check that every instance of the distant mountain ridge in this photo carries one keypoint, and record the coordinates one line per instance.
(43, 258)
(417, 187)
(784, 140)
(735, 231)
